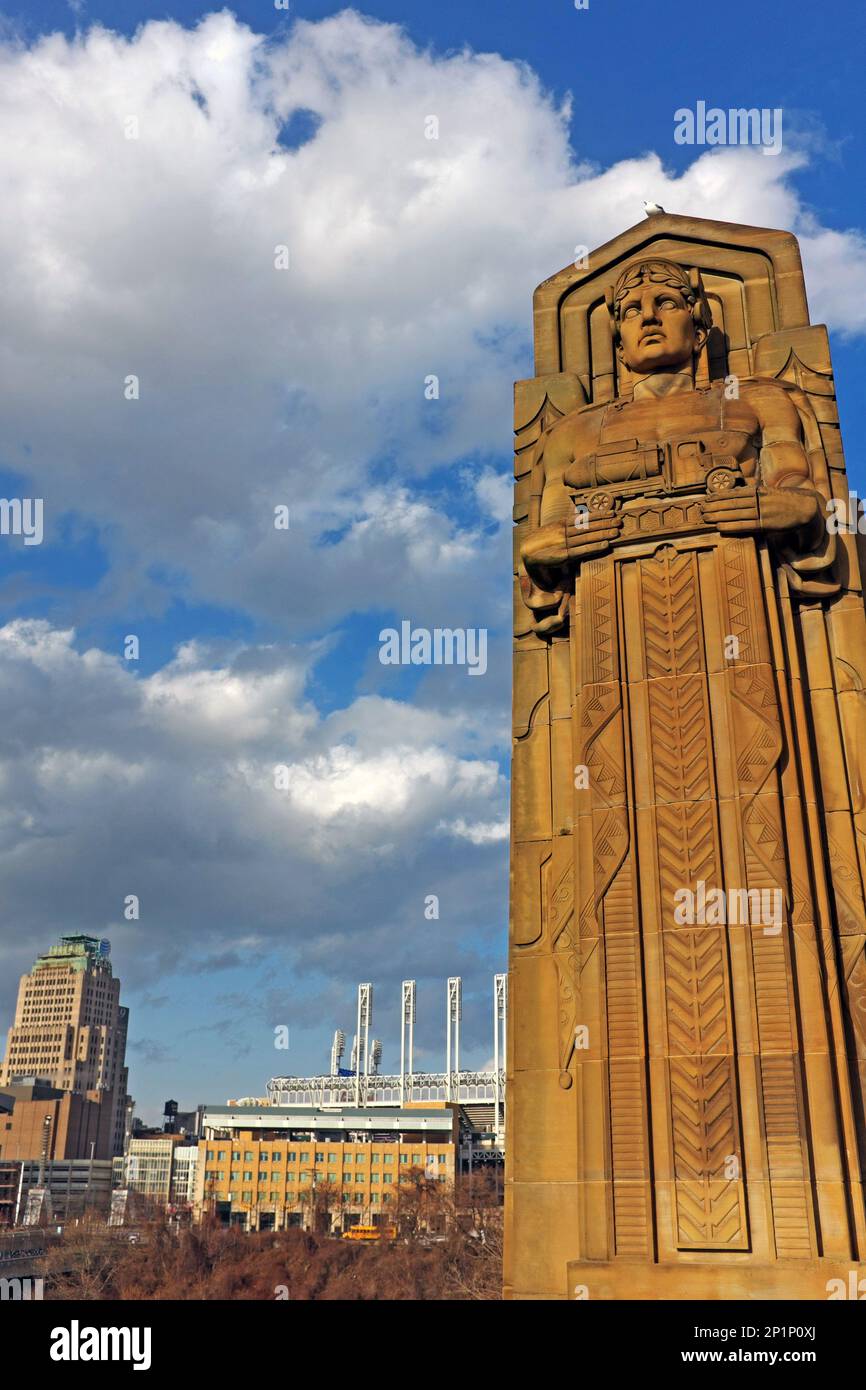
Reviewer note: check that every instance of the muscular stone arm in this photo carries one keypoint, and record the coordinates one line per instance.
(791, 502)
(556, 538)
(786, 504)
(541, 553)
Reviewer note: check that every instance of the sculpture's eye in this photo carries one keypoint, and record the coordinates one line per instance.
(630, 310)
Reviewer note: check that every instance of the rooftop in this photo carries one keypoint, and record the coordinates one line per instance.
(345, 1117)
(76, 952)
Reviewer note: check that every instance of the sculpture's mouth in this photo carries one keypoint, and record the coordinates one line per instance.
(653, 335)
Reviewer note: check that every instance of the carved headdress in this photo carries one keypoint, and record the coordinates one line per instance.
(688, 282)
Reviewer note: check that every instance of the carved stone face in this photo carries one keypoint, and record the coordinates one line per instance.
(656, 328)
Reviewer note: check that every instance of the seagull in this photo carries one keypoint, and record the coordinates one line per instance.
(652, 209)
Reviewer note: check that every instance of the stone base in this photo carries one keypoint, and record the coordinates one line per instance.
(784, 1281)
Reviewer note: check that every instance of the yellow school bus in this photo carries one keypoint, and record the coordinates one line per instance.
(370, 1233)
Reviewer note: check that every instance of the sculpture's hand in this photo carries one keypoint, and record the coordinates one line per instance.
(547, 555)
(744, 511)
(591, 534)
(558, 543)
(789, 508)
(733, 513)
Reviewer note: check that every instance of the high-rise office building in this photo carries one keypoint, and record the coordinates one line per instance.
(70, 1028)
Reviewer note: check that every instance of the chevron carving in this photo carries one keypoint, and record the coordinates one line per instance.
(681, 743)
(697, 992)
(710, 1207)
(672, 634)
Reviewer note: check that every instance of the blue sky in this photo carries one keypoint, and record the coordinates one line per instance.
(258, 648)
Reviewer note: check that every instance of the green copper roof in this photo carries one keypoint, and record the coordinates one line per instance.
(76, 953)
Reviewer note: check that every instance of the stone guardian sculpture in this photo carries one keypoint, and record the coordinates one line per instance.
(687, 1050)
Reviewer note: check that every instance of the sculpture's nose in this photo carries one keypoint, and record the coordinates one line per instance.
(648, 312)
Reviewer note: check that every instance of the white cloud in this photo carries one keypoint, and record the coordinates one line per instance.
(479, 833)
(387, 784)
(495, 492)
(163, 786)
(409, 256)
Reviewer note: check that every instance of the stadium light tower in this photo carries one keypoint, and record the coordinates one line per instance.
(500, 1016)
(365, 1018)
(338, 1047)
(455, 1013)
(407, 1035)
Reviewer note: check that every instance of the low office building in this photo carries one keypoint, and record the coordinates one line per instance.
(269, 1168)
(38, 1119)
(62, 1190)
(161, 1168)
(183, 1175)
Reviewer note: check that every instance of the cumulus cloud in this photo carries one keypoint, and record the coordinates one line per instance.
(480, 832)
(164, 786)
(154, 256)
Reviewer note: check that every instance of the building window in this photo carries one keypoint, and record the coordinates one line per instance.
(441, 1158)
(291, 1156)
(305, 1157)
(404, 1158)
(389, 1177)
(375, 1197)
(247, 1197)
(263, 1158)
(210, 1154)
(248, 1177)
(332, 1158)
(320, 1157)
(248, 1155)
(416, 1159)
(389, 1158)
(375, 1158)
(375, 1177)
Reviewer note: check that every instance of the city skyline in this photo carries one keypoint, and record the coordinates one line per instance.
(30, 1051)
(151, 776)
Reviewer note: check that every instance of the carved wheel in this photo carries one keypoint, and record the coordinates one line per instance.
(600, 502)
(720, 480)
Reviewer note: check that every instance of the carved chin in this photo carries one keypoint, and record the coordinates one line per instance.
(656, 355)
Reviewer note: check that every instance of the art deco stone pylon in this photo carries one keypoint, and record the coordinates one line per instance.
(687, 1049)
